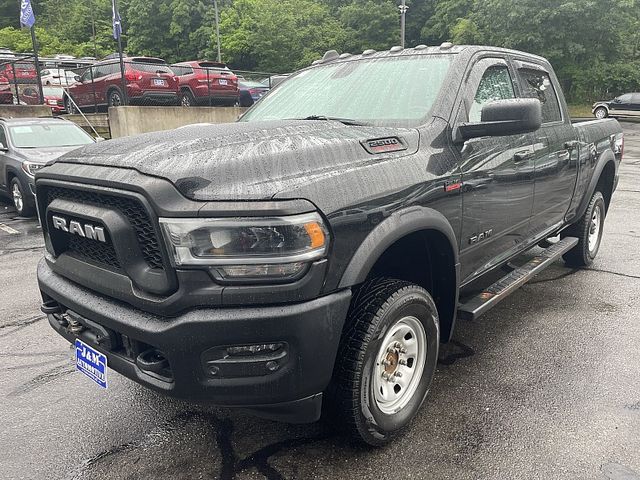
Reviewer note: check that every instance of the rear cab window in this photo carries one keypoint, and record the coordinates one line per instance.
(536, 83)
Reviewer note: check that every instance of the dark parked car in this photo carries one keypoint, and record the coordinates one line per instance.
(53, 97)
(204, 82)
(150, 81)
(251, 92)
(26, 144)
(319, 250)
(627, 105)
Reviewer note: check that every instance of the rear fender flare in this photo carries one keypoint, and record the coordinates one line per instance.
(606, 157)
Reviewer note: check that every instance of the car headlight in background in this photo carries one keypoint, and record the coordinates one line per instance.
(248, 247)
(31, 168)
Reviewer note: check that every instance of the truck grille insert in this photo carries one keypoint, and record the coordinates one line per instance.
(131, 208)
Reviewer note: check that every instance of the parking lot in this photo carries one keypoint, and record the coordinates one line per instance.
(546, 385)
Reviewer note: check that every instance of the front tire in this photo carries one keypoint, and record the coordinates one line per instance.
(70, 107)
(386, 360)
(601, 113)
(20, 199)
(589, 232)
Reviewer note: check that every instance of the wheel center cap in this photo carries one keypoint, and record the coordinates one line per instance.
(392, 362)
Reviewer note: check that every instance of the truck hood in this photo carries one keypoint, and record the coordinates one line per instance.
(246, 160)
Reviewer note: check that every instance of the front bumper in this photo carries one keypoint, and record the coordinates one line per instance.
(191, 343)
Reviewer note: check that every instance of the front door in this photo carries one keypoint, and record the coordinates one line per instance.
(496, 175)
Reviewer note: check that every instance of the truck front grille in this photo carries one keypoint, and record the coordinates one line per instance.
(103, 253)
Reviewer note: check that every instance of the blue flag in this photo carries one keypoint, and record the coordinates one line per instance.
(27, 17)
(117, 21)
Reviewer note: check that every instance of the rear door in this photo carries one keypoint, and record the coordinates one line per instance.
(555, 159)
(496, 175)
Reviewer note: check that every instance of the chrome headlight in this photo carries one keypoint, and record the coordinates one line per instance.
(248, 247)
(30, 168)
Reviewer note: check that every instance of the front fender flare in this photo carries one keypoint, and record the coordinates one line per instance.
(392, 229)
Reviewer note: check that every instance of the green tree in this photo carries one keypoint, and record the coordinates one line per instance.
(369, 24)
(278, 35)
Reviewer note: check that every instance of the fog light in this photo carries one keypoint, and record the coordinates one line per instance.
(254, 349)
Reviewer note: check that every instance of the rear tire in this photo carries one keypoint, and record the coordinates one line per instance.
(115, 98)
(187, 99)
(589, 232)
(601, 113)
(386, 360)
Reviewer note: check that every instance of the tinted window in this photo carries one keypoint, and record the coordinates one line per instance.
(495, 85)
(149, 67)
(382, 91)
(182, 71)
(537, 84)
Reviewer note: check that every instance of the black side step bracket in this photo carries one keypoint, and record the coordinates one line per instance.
(491, 296)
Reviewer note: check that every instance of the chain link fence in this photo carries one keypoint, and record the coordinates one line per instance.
(88, 86)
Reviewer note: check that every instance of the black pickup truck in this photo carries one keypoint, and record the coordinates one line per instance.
(314, 255)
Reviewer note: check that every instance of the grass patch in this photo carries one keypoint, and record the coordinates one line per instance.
(580, 111)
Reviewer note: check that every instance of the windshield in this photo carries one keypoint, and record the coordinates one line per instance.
(382, 91)
(48, 135)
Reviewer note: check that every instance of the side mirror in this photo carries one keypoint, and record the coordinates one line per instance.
(100, 139)
(503, 117)
(3, 148)
(617, 100)
(77, 78)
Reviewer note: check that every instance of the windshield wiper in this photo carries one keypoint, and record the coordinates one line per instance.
(345, 121)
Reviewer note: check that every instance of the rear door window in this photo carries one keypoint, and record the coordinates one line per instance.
(537, 84)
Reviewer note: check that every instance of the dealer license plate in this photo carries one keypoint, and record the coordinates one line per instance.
(92, 363)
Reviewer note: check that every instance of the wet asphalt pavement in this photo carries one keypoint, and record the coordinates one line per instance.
(546, 385)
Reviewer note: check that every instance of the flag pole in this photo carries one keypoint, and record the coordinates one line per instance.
(117, 18)
(37, 62)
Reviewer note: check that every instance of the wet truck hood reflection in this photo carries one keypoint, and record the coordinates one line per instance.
(247, 160)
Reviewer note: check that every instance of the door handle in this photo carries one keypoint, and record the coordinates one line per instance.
(522, 155)
(571, 144)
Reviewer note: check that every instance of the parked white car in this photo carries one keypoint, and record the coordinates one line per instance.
(58, 76)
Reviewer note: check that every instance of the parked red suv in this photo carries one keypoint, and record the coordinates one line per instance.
(24, 72)
(204, 82)
(150, 81)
